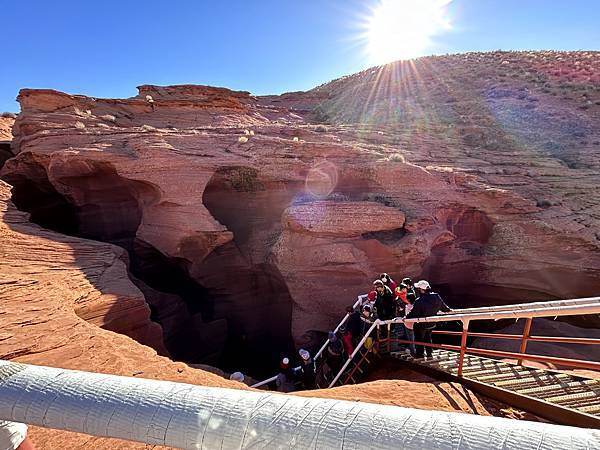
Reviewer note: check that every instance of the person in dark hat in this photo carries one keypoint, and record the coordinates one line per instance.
(387, 280)
(384, 303)
(335, 350)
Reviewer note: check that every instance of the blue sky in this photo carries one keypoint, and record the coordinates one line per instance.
(105, 49)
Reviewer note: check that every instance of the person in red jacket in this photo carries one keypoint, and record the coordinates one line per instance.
(346, 337)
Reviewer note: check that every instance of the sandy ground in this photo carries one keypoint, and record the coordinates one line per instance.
(392, 383)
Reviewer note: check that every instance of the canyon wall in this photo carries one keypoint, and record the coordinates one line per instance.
(251, 222)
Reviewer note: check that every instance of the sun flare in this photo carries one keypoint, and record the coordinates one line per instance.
(403, 29)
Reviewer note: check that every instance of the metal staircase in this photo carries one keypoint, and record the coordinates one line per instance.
(558, 396)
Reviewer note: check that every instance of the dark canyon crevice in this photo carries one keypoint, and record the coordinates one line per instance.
(457, 268)
(5, 152)
(249, 290)
(231, 310)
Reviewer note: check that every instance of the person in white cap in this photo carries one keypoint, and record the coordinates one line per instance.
(428, 304)
(13, 436)
(285, 380)
(308, 369)
(237, 376)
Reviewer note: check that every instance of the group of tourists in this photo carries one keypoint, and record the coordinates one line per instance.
(387, 300)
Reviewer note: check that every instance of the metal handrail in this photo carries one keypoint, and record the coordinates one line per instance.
(554, 308)
(557, 311)
(521, 306)
(559, 340)
(342, 322)
(358, 347)
(323, 347)
(589, 306)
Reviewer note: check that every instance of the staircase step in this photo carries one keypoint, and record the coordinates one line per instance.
(558, 386)
(478, 372)
(535, 379)
(571, 398)
(592, 409)
(511, 373)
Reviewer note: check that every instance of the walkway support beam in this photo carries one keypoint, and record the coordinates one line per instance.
(463, 346)
(525, 338)
(193, 417)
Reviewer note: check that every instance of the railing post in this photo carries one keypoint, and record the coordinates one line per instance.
(525, 338)
(356, 350)
(463, 346)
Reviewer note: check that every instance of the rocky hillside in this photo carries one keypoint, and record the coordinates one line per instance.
(250, 223)
(6, 124)
(7, 121)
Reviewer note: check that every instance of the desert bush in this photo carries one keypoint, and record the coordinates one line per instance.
(397, 157)
(148, 128)
(149, 99)
(245, 179)
(79, 125)
(321, 129)
(79, 112)
(242, 139)
(108, 118)
(8, 115)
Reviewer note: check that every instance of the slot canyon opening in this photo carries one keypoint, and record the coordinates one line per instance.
(250, 291)
(109, 209)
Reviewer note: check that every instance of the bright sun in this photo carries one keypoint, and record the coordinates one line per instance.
(403, 29)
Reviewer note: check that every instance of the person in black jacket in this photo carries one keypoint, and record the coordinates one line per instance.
(354, 324)
(428, 304)
(307, 367)
(384, 303)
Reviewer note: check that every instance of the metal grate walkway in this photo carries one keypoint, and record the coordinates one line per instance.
(558, 396)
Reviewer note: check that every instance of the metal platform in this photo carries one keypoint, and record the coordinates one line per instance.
(556, 396)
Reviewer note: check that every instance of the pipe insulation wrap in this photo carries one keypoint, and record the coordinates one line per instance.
(192, 417)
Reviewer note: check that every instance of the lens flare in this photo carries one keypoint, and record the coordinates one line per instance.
(403, 29)
(321, 179)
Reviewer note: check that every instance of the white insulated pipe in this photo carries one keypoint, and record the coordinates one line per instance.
(196, 417)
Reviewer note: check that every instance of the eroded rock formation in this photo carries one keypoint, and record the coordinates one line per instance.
(6, 124)
(249, 221)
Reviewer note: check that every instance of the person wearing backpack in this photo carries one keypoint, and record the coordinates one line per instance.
(427, 304)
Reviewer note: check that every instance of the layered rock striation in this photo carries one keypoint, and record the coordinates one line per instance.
(249, 221)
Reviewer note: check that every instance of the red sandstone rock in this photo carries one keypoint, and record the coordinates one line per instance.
(492, 179)
(478, 176)
(6, 124)
(56, 292)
